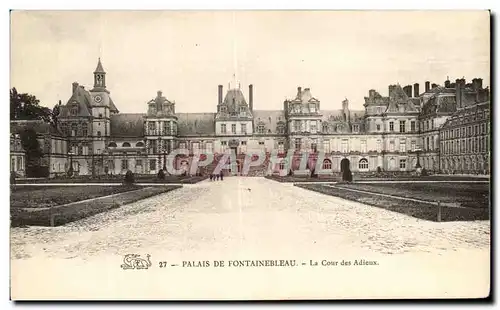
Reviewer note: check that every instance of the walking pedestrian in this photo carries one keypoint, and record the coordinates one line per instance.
(211, 177)
(221, 176)
(217, 177)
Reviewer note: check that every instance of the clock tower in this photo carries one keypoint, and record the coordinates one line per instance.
(100, 103)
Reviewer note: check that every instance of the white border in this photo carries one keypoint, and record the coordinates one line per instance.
(192, 5)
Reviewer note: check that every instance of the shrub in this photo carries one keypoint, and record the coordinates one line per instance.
(347, 175)
(37, 171)
(161, 174)
(424, 172)
(129, 177)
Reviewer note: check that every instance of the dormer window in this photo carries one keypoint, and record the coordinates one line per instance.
(312, 108)
(261, 129)
(325, 128)
(74, 109)
(355, 128)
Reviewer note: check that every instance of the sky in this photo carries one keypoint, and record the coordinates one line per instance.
(187, 54)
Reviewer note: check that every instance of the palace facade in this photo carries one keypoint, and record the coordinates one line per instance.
(391, 133)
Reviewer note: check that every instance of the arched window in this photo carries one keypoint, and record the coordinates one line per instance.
(327, 164)
(125, 144)
(112, 144)
(363, 164)
(139, 144)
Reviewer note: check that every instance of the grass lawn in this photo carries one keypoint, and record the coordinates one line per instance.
(49, 196)
(364, 177)
(421, 210)
(117, 179)
(60, 215)
(472, 195)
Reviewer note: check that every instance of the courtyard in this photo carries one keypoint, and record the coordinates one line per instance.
(250, 218)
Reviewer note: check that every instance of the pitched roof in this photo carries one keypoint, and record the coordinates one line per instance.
(99, 68)
(234, 97)
(337, 115)
(127, 125)
(83, 101)
(202, 124)
(39, 126)
(268, 118)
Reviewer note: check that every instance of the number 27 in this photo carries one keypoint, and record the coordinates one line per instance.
(163, 264)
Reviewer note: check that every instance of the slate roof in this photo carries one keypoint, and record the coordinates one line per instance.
(337, 115)
(269, 118)
(127, 125)
(200, 124)
(82, 99)
(99, 68)
(39, 126)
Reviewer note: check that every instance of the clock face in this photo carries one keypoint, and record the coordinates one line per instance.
(98, 99)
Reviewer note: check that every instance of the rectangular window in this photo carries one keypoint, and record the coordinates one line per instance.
(391, 126)
(326, 146)
(412, 125)
(244, 128)
(209, 147)
(379, 146)
(312, 108)
(355, 128)
(223, 128)
(297, 125)
(402, 126)
(363, 146)
(298, 143)
(314, 145)
(281, 146)
(196, 147)
(402, 146)
(314, 127)
(233, 128)
(391, 146)
(152, 164)
(138, 162)
(378, 127)
(402, 164)
(124, 164)
(345, 146)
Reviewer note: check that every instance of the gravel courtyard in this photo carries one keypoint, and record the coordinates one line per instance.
(251, 218)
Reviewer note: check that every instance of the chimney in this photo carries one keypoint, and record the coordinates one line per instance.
(407, 90)
(159, 93)
(416, 90)
(391, 89)
(75, 86)
(250, 97)
(458, 92)
(447, 83)
(299, 91)
(220, 94)
(477, 84)
(371, 93)
(427, 86)
(434, 85)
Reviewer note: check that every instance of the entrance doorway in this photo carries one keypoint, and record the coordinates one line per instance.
(344, 164)
(346, 170)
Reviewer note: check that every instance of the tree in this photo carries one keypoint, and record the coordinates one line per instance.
(34, 153)
(27, 107)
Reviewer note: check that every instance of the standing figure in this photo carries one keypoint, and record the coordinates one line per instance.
(211, 177)
(221, 175)
(217, 177)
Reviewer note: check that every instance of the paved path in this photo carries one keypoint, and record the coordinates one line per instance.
(251, 218)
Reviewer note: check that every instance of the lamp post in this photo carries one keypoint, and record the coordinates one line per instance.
(165, 158)
(159, 152)
(70, 170)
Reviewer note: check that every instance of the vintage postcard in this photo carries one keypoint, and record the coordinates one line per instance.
(250, 155)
